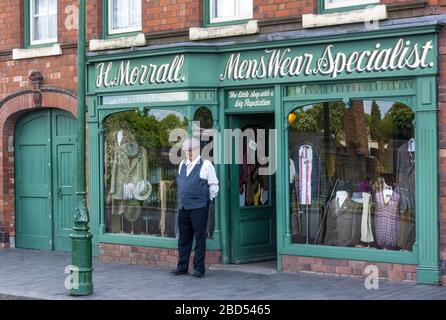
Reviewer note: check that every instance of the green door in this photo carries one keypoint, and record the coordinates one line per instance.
(252, 203)
(64, 160)
(44, 179)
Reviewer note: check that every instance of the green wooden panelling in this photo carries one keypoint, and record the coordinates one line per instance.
(223, 196)
(45, 167)
(401, 87)
(416, 88)
(299, 62)
(33, 186)
(426, 189)
(63, 163)
(208, 51)
(252, 228)
(95, 164)
(281, 176)
(202, 96)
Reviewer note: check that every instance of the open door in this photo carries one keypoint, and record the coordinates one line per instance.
(252, 203)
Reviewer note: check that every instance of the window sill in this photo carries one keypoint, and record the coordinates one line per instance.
(250, 27)
(37, 52)
(118, 43)
(368, 15)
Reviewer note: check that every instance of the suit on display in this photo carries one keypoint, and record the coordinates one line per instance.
(129, 167)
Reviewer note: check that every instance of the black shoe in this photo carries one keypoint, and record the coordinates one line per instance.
(177, 272)
(197, 274)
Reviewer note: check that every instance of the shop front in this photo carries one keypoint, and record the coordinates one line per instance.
(314, 140)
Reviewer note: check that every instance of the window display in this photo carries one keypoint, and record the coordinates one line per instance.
(253, 187)
(352, 175)
(141, 192)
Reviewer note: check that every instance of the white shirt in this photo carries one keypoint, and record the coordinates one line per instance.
(207, 173)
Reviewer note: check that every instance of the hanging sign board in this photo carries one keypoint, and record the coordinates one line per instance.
(250, 99)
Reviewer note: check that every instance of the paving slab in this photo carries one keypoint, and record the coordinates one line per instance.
(40, 275)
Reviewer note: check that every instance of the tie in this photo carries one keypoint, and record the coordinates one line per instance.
(189, 168)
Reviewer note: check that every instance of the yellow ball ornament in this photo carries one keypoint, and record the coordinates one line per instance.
(291, 118)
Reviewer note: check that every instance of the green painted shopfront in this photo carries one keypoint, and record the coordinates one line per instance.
(349, 125)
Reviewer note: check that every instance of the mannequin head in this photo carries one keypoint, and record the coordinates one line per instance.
(341, 196)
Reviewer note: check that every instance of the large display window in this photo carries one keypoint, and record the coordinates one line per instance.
(352, 175)
(141, 193)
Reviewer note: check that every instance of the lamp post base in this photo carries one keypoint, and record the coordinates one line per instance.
(81, 260)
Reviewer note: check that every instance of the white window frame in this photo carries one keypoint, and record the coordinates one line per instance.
(31, 25)
(347, 3)
(123, 30)
(213, 19)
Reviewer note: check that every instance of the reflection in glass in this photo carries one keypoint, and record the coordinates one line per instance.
(352, 175)
(253, 187)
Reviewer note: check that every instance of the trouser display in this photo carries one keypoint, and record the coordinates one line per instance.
(192, 223)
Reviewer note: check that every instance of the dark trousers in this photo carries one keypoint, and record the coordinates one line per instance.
(192, 223)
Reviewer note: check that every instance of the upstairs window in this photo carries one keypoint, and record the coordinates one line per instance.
(124, 16)
(336, 4)
(43, 21)
(229, 10)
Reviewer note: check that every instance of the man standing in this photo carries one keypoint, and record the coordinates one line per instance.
(197, 187)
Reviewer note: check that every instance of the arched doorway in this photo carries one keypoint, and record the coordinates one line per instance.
(44, 145)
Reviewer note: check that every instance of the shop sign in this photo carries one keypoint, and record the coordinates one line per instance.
(331, 61)
(123, 73)
(250, 99)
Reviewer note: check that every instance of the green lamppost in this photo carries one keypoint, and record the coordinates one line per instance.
(81, 259)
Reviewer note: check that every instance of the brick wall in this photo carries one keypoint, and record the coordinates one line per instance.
(148, 256)
(352, 268)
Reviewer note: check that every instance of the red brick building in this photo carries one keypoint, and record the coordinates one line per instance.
(38, 46)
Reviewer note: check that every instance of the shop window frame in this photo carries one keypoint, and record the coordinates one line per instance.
(197, 99)
(422, 100)
(28, 26)
(106, 23)
(207, 17)
(322, 6)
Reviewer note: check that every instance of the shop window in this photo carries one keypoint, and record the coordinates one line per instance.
(41, 17)
(140, 187)
(352, 175)
(203, 118)
(343, 4)
(124, 16)
(229, 10)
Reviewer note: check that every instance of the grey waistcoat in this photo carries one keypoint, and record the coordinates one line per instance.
(193, 192)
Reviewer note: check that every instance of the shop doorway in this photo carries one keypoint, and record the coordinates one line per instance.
(44, 145)
(252, 201)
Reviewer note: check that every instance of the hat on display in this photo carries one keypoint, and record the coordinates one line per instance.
(142, 190)
(190, 144)
(132, 211)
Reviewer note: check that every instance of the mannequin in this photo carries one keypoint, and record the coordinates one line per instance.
(341, 196)
(128, 168)
(387, 192)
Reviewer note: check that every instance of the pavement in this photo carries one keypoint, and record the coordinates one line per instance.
(26, 274)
